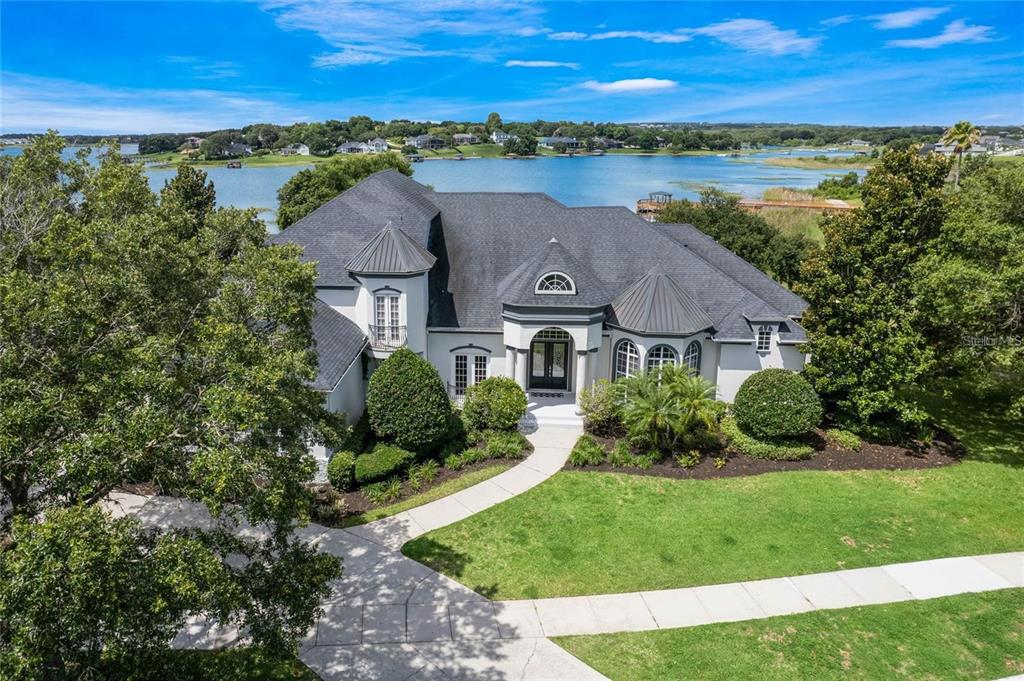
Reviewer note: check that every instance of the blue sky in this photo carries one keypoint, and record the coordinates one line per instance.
(146, 67)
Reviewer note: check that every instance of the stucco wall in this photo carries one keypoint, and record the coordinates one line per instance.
(440, 346)
(357, 304)
(709, 351)
(737, 361)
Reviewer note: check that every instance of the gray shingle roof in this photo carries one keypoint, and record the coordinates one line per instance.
(391, 251)
(338, 341)
(656, 305)
(520, 286)
(489, 246)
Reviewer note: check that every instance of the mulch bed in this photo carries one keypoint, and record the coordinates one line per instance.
(943, 451)
(358, 503)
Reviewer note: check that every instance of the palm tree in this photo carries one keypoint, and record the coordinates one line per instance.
(963, 135)
(665, 403)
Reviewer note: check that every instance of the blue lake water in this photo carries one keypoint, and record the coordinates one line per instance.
(579, 181)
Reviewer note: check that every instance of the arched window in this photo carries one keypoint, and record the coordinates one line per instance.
(556, 283)
(691, 358)
(659, 356)
(627, 359)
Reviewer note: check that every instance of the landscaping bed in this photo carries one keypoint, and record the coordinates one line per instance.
(944, 450)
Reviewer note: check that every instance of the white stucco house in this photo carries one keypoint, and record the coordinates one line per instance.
(520, 285)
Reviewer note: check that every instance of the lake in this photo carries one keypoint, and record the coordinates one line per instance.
(580, 181)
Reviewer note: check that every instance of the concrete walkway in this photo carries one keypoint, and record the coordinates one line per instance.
(390, 618)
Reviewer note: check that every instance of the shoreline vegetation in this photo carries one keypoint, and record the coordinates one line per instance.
(821, 162)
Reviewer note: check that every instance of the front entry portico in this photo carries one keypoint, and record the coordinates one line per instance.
(550, 360)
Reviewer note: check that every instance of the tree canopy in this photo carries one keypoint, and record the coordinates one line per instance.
(309, 189)
(147, 339)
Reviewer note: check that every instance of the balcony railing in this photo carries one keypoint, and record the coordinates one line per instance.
(387, 337)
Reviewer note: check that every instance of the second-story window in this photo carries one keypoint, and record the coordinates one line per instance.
(386, 318)
(764, 338)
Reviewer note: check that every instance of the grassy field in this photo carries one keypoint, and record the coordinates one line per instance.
(480, 150)
(173, 158)
(812, 163)
(794, 221)
(586, 533)
(974, 636)
(434, 493)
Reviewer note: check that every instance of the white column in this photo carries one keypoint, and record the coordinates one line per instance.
(510, 362)
(581, 374)
(521, 365)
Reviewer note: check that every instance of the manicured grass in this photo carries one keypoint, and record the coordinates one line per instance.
(974, 636)
(173, 159)
(587, 533)
(433, 494)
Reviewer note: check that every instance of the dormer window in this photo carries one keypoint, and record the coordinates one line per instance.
(764, 338)
(556, 283)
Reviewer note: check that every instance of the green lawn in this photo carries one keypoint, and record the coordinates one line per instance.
(585, 533)
(173, 158)
(975, 636)
(433, 494)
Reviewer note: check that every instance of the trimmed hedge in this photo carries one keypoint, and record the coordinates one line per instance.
(777, 450)
(586, 452)
(495, 403)
(777, 403)
(407, 401)
(383, 462)
(341, 471)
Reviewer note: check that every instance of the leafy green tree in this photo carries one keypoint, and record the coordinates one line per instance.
(146, 340)
(969, 287)
(494, 121)
(216, 145)
(962, 136)
(864, 332)
(647, 141)
(154, 144)
(560, 147)
(523, 145)
(407, 402)
(309, 189)
(746, 234)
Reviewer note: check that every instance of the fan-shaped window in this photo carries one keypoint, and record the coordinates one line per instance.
(556, 283)
(627, 359)
(659, 356)
(691, 358)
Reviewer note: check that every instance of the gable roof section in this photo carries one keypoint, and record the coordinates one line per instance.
(656, 305)
(391, 251)
(519, 287)
(335, 232)
(338, 342)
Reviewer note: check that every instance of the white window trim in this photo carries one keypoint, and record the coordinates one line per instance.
(615, 359)
(470, 367)
(544, 292)
(657, 349)
(757, 337)
(700, 356)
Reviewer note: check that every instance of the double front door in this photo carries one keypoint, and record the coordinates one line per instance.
(549, 365)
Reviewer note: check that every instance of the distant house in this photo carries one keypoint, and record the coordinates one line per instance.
(193, 142)
(425, 142)
(295, 149)
(607, 142)
(950, 149)
(353, 148)
(500, 137)
(237, 149)
(858, 143)
(569, 142)
(377, 145)
(462, 138)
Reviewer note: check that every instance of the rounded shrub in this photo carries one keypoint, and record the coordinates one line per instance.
(341, 471)
(495, 403)
(777, 403)
(407, 402)
(384, 461)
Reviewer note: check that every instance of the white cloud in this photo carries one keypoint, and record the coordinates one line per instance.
(202, 69)
(957, 31)
(567, 35)
(649, 36)
(543, 64)
(907, 18)
(530, 31)
(631, 85)
(367, 32)
(838, 21)
(759, 37)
